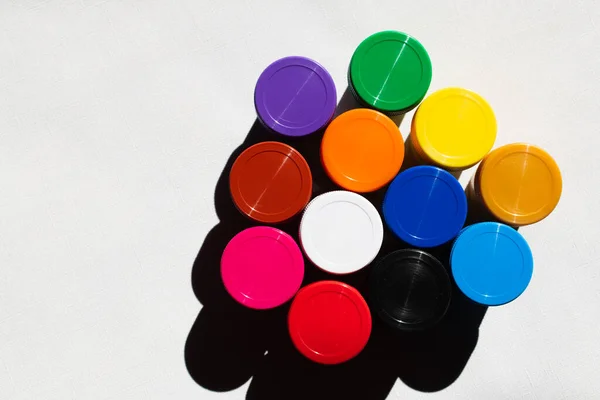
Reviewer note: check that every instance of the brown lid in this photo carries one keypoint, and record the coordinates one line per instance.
(270, 182)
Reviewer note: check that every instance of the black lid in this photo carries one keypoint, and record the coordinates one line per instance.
(410, 289)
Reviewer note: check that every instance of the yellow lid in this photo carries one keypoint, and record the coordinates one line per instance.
(519, 183)
(455, 128)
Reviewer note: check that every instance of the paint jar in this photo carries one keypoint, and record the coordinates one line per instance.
(262, 267)
(519, 184)
(453, 129)
(390, 72)
(492, 263)
(341, 232)
(329, 322)
(425, 206)
(295, 96)
(270, 182)
(410, 290)
(362, 150)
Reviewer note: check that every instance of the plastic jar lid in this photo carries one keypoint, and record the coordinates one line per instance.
(362, 150)
(270, 182)
(341, 232)
(295, 96)
(491, 263)
(410, 289)
(519, 183)
(262, 267)
(329, 322)
(425, 206)
(390, 71)
(455, 128)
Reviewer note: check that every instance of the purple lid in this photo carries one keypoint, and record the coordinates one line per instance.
(295, 96)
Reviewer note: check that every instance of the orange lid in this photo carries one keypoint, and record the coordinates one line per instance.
(362, 150)
(519, 183)
(270, 182)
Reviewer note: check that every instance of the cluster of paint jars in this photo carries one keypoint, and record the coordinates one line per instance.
(341, 232)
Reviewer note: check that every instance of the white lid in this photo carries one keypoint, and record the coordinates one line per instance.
(341, 232)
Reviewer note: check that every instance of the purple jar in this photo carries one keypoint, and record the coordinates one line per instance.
(295, 96)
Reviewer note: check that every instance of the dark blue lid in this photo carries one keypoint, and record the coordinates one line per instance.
(425, 206)
(491, 263)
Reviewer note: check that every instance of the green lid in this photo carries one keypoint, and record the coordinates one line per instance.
(390, 71)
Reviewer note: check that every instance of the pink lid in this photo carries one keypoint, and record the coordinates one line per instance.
(262, 267)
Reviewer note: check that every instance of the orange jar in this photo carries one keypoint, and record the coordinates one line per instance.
(362, 150)
(519, 184)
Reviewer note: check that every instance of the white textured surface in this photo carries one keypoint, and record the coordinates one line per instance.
(116, 120)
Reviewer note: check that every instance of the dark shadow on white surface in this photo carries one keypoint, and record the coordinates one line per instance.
(478, 212)
(349, 102)
(230, 344)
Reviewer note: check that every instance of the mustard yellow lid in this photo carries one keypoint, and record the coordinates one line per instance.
(454, 127)
(519, 183)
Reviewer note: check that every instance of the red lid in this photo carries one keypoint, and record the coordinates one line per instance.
(270, 182)
(329, 322)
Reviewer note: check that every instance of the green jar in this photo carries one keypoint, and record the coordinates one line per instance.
(390, 72)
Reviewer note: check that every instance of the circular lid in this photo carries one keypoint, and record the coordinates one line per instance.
(362, 150)
(410, 289)
(520, 183)
(329, 322)
(492, 263)
(390, 71)
(295, 96)
(425, 206)
(341, 232)
(454, 127)
(262, 267)
(270, 182)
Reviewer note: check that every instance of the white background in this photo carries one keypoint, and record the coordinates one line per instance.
(117, 117)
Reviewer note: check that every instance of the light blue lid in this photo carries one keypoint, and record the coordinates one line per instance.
(491, 263)
(425, 206)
